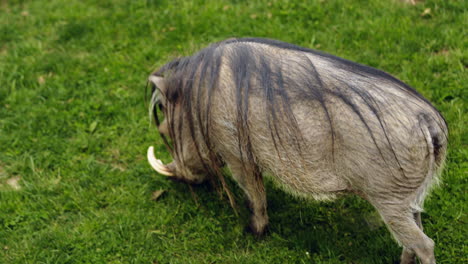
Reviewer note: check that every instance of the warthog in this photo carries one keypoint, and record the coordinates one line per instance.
(318, 125)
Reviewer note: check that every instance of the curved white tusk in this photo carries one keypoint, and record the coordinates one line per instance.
(157, 164)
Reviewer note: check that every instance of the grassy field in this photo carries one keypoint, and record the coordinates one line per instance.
(75, 186)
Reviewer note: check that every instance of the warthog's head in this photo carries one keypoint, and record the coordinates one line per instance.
(177, 126)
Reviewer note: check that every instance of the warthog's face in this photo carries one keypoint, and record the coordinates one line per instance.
(187, 164)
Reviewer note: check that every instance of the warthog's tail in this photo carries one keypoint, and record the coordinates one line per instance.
(435, 132)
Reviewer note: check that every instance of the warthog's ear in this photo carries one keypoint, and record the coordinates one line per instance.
(161, 84)
(158, 81)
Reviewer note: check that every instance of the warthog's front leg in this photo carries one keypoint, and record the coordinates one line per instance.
(251, 181)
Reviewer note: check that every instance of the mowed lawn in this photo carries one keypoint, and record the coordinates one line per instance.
(75, 186)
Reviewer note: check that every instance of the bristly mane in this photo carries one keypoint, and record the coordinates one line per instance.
(192, 80)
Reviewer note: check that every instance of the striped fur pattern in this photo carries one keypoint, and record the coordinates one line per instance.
(318, 125)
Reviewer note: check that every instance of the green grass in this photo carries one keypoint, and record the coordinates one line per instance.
(74, 130)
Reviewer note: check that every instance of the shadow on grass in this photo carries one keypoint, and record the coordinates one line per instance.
(347, 230)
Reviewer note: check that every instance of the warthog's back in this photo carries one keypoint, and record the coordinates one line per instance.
(335, 125)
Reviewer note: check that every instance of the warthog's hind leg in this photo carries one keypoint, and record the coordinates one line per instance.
(409, 256)
(407, 229)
